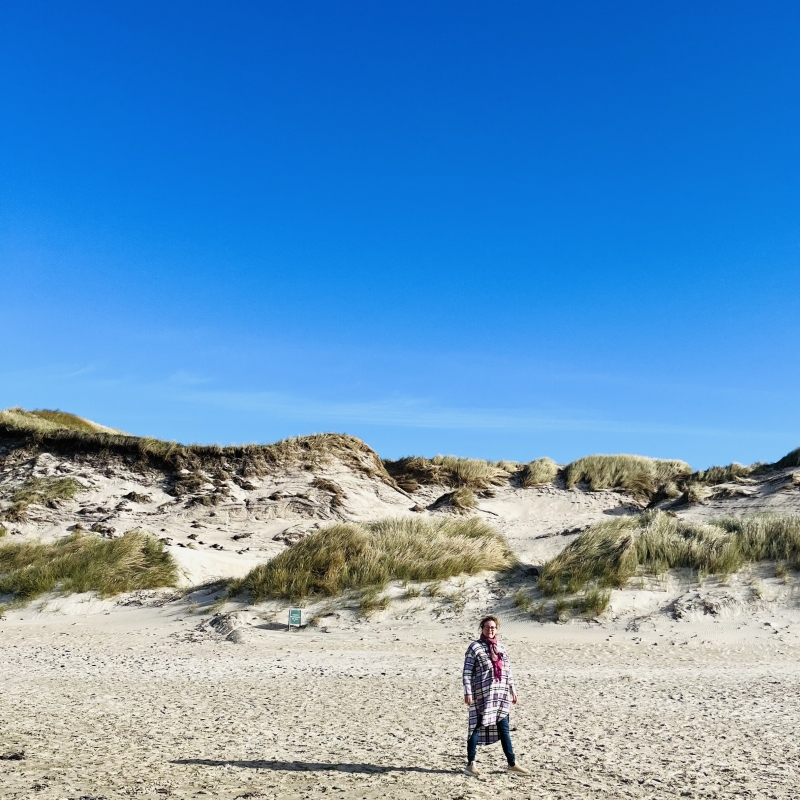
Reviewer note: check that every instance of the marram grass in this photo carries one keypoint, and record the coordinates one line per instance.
(359, 555)
(471, 473)
(84, 563)
(636, 474)
(542, 470)
(609, 554)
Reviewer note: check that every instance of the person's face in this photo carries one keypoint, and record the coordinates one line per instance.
(490, 629)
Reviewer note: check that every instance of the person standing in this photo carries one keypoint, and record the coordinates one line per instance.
(489, 692)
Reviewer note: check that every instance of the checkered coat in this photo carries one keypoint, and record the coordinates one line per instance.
(491, 700)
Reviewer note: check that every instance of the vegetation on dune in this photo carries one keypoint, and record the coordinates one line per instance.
(43, 420)
(542, 470)
(57, 431)
(461, 500)
(360, 555)
(471, 473)
(42, 491)
(789, 460)
(83, 563)
(636, 474)
(609, 554)
(716, 475)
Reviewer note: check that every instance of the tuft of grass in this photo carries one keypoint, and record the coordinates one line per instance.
(695, 493)
(359, 555)
(638, 475)
(523, 600)
(47, 490)
(336, 491)
(715, 475)
(542, 470)
(372, 600)
(462, 499)
(435, 589)
(43, 421)
(412, 592)
(789, 460)
(3, 530)
(81, 563)
(471, 473)
(609, 554)
(41, 491)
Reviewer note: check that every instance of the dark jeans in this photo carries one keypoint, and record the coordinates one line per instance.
(505, 741)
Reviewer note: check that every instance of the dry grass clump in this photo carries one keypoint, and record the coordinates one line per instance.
(42, 491)
(81, 563)
(336, 492)
(638, 475)
(44, 420)
(472, 473)
(359, 555)
(609, 554)
(460, 500)
(715, 475)
(542, 470)
(789, 460)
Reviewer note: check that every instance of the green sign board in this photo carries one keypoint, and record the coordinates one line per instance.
(295, 617)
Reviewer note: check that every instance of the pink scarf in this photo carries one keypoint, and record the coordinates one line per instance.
(495, 655)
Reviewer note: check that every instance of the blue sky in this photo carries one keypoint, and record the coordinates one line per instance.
(506, 232)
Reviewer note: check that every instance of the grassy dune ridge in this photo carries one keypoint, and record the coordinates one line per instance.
(609, 554)
(66, 433)
(83, 563)
(360, 555)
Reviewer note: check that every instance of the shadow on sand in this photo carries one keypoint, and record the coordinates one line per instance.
(307, 766)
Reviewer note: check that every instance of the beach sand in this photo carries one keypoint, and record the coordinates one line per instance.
(149, 703)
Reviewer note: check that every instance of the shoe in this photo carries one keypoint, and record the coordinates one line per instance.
(472, 770)
(518, 770)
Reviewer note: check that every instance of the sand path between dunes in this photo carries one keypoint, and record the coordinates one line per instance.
(127, 705)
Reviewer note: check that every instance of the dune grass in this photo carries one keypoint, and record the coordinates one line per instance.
(56, 431)
(470, 473)
(82, 563)
(42, 491)
(44, 420)
(716, 475)
(542, 470)
(360, 555)
(638, 475)
(609, 554)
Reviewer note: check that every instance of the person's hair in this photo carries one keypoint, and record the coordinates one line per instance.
(490, 619)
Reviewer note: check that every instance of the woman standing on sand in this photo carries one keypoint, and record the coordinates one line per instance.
(488, 687)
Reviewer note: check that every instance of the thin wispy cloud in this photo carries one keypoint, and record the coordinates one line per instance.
(415, 413)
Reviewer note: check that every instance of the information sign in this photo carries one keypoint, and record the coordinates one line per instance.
(296, 617)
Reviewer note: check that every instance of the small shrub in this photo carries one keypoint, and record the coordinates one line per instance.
(542, 470)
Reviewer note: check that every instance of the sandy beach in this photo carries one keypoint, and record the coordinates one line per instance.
(143, 704)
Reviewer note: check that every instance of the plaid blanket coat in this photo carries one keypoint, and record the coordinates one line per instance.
(491, 700)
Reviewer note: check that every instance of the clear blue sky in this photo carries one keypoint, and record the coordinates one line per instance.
(498, 230)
